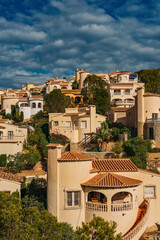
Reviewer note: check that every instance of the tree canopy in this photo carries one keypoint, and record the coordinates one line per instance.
(137, 149)
(56, 101)
(151, 78)
(28, 220)
(95, 92)
(98, 228)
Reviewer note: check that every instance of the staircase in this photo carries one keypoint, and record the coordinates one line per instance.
(141, 219)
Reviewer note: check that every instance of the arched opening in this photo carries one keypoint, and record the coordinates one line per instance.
(117, 100)
(55, 87)
(24, 105)
(33, 105)
(129, 100)
(122, 197)
(39, 105)
(77, 99)
(121, 201)
(63, 88)
(97, 197)
(1, 133)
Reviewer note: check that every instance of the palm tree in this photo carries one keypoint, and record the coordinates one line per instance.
(104, 134)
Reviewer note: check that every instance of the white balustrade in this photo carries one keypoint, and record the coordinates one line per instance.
(102, 207)
(121, 207)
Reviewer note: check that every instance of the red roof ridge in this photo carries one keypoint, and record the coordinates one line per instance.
(74, 156)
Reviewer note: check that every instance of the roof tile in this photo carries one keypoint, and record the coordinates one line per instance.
(74, 156)
(111, 180)
(114, 165)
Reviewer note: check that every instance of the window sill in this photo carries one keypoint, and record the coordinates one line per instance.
(72, 207)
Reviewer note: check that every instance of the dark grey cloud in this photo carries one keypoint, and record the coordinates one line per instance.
(54, 39)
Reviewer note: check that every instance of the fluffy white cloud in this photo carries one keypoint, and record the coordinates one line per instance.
(62, 35)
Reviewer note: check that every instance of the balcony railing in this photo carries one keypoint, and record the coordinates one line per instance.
(150, 120)
(121, 207)
(66, 128)
(101, 207)
(117, 93)
(14, 138)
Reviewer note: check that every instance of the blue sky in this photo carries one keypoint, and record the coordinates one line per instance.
(44, 39)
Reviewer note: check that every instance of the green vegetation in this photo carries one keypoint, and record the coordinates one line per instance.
(104, 133)
(118, 128)
(118, 147)
(95, 92)
(25, 223)
(151, 78)
(58, 138)
(137, 149)
(56, 102)
(26, 219)
(75, 84)
(18, 162)
(98, 228)
(3, 160)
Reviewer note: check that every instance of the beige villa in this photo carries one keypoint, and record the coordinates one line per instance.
(80, 186)
(81, 74)
(144, 117)
(75, 123)
(12, 137)
(123, 87)
(9, 182)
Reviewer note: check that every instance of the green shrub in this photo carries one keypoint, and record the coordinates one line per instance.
(3, 160)
(59, 138)
(117, 148)
(137, 148)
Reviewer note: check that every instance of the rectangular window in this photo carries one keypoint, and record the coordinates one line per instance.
(151, 133)
(73, 198)
(83, 124)
(68, 124)
(117, 92)
(99, 123)
(127, 92)
(149, 192)
(154, 115)
(55, 123)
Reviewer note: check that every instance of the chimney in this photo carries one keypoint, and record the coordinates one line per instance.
(54, 153)
(92, 118)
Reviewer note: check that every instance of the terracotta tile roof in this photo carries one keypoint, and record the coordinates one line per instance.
(54, 145)
(114, 165)
(31, 173)
(75, 156)
(149, 172)
(111, 180)
(10, 176)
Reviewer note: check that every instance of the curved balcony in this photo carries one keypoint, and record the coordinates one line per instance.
(102, 207)
(121, 207)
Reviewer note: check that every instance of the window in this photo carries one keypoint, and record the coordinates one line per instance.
(10, 134)
(55, 87)
(149, 191)
(151, 133)
(83, 124)
(117, 92)
(33, 105)
(127, 92)
(55, 123)
(39, 105)
(99, 123)
(73, 198)
(154, 115)
(68, 124)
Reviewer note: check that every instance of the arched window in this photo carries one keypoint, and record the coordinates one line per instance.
(39, 105)
(24, 105)
(33, 105)
(97, 197)
(55, 87)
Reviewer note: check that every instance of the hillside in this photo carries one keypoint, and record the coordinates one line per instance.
(151, 78)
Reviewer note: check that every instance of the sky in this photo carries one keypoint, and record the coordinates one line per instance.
(42, 39)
